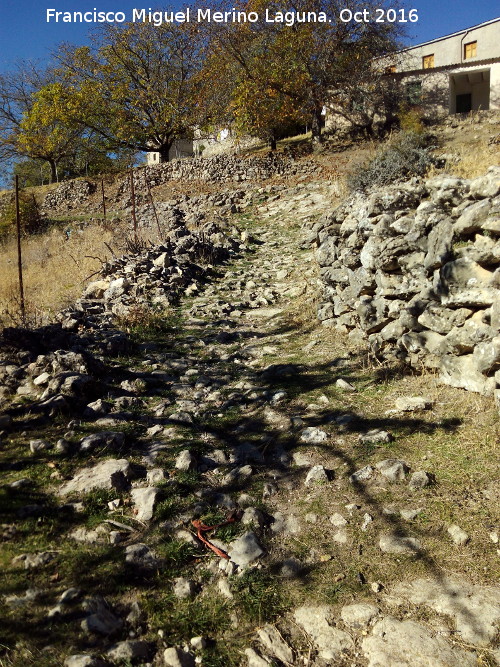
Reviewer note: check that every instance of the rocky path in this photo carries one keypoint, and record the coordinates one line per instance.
(242, 412)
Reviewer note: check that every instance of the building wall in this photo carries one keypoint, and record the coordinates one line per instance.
(223, 141)
(495, 85)
(450, 50)
(180, 148)
(452, 74)
(440, 88)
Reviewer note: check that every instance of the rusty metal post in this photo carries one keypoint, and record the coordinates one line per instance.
(134, 217)
(152, 202)
(103, 199)
(19, 253)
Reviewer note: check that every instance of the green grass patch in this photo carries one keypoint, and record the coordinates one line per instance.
(259, 596)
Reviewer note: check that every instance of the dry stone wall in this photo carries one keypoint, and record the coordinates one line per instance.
(414, 268)
(229, 168)
(221, 169)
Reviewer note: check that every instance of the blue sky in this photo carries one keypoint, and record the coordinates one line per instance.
(24, 32)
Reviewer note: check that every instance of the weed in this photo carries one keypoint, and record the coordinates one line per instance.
(410, 120)
(145, 321)
(96, 505)
(175, 555)
(55, 269)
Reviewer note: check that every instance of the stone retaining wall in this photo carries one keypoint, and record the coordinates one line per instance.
(229, 168)
(220, 169)
(414, 268)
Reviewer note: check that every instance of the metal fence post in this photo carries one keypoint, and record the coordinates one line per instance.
(103, 199)
(19, 253)
(152, 202)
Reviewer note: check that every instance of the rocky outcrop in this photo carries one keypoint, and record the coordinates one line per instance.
(414, 268)
(74, 193)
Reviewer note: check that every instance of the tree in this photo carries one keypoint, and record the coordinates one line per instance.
(307, 61)
(45, 132)
(17, 88)
(31, 172)
(137, 86)
(263, 112)
(37, 128)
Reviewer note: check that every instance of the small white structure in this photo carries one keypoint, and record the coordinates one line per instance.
(180, 148)
(221, 140)
(456, 73)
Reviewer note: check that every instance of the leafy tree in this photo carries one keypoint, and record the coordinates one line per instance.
(308, 62)
(45, 132)
(136, 87)
(31, 172)
(31, 221)
(17, 88)
(261, 111)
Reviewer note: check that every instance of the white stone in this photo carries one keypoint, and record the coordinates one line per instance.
(475, 609)
(144, 499)
(245, 549)
(274, 643)
(317, 474)
(338, 520)
(344, 385)
(255, 660)
(459, 536)
(359, 615)
(413, 403)
(331, 642)
(109, 474)
(175, 657)
(394, 544)
(313, 435)
(392, 469)
(409, 644)
(184, 588)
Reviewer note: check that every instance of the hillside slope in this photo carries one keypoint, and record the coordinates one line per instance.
(192, 385)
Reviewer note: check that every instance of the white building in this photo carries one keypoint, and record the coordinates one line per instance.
(456, 73)
(180, 148)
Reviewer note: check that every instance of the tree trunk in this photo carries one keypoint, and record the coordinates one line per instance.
(316, 125)
(53, 171)
(163, 152)
(272, 143)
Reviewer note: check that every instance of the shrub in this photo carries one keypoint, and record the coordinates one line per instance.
(407, 155)
(411, 120)
(29, 213)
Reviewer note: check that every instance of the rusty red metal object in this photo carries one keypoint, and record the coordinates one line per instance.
(202, 528)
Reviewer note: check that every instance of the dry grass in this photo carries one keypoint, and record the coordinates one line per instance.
(55, 271)
(471, 147)
(474, 162)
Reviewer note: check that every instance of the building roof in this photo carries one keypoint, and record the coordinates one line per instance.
(453, 34)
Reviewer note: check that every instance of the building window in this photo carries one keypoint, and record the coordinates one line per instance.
(428, 61)
(414, 92)
(470, 50)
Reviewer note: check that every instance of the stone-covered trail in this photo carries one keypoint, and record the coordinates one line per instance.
(345, 539)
